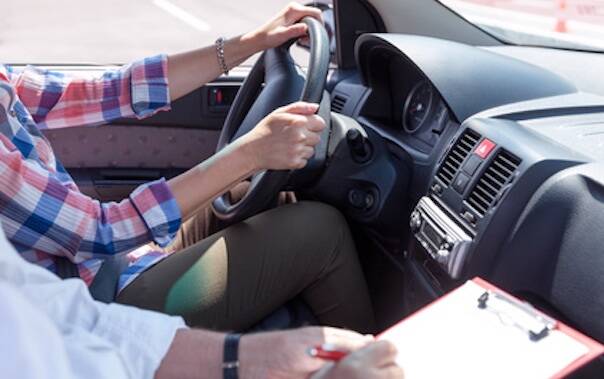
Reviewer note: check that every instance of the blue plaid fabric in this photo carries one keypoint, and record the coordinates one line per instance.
(41, 208)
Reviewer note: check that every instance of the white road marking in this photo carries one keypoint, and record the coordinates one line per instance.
(182, 15)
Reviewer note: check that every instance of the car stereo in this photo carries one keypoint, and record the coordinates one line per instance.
(446, 242)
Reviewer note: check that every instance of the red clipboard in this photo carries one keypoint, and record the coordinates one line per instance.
(593, 348)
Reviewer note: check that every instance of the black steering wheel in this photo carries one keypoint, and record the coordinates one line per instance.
(275, 81)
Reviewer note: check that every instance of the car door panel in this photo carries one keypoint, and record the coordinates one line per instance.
(109, 161)
(116, 158)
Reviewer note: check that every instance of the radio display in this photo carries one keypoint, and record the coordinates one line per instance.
(432, 235)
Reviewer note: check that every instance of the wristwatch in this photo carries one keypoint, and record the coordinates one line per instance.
(230, 359)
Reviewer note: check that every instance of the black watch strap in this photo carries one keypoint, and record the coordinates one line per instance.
(230, 359)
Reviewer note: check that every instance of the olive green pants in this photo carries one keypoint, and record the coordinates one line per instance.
(236, 277)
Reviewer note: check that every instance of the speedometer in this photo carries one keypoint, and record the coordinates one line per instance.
(417, 107)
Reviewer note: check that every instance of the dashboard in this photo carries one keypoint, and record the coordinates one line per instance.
(484, 166)
(418, 107)
(415, 112)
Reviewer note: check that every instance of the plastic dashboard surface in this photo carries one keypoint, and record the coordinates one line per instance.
(415, 91)
(469, 79)
(540, 233)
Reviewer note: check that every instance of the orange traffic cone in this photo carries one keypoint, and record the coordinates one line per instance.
(561, 18)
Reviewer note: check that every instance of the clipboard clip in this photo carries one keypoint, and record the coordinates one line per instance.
(540, 326)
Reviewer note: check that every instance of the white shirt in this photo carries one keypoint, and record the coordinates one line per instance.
(52, 328)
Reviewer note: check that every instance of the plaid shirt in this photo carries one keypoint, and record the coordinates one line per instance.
(42, 211)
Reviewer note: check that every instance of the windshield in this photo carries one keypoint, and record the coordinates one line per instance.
(571, 24)
(119, 31)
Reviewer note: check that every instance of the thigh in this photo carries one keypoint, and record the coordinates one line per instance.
(205, 223)
(236, 277)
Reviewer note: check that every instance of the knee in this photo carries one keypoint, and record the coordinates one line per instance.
(327, 226)
(317, 226)
(322, 216)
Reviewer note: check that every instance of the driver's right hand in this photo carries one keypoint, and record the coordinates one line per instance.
(285, 139)
(377, 360)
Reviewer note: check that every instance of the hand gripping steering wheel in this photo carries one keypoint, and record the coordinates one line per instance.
(275, 81)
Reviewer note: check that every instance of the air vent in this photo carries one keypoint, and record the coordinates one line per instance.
(338, 103)
(458, 153)
(492, 182)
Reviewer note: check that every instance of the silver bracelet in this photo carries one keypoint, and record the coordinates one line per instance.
(220, 55)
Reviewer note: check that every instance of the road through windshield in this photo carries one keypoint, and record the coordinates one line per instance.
(575, 24)
(116, 31)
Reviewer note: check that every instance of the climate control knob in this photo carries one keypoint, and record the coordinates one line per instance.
(442, 256)
(416, 222)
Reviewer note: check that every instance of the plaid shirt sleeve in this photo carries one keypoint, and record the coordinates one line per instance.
(43, 213)
(57, 100)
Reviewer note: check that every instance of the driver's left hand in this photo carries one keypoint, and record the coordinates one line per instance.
(285, 26)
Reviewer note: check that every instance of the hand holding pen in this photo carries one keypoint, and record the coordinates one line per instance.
(375, 361)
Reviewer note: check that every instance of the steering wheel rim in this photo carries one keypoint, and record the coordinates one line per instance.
(283, 84)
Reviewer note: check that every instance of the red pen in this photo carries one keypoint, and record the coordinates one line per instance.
(327, 352)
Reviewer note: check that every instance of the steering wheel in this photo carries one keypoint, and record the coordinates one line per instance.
(274, 81)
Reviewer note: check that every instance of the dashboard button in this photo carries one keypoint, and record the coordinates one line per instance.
(437, 189)
(472, 164)
(485, 148)
(416, 222)
(442, 256)
(469, 217)
(461, 182)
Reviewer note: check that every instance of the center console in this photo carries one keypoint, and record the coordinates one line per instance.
(479, 187)
(443, 239)
(519, 203)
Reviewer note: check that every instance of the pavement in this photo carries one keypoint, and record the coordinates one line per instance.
(116, 31)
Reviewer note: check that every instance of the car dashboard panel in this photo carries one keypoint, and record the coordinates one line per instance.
(521, 210)
(469, 79)
(415, 113)
(490, 140)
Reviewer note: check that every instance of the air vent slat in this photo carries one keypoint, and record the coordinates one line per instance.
(478, 207)
(467, 145)
(503, 168)
(338, 103)
(496, 181)
(456, 162)
(511, 163)
(448, 173)
(473, 137)
(457, 155)
(501, 176)
(482, 200)
(451, 165)
(485, 195)
(493, 181)
(491, 188)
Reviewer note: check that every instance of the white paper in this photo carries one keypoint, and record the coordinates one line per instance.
(453, 339)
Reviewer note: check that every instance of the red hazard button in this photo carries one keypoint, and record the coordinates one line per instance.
(484, 149)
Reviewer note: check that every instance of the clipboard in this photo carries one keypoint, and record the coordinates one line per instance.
(480, 331)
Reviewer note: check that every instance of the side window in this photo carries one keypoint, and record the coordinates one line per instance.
(118, 31)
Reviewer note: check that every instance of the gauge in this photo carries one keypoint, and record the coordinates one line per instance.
(417, 107)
